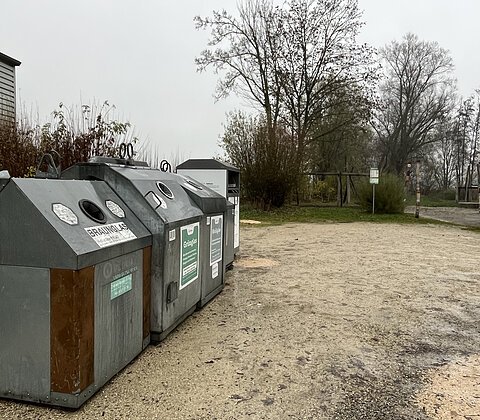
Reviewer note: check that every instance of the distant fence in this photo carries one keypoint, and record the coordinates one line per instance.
(470, 196)
(344, 195)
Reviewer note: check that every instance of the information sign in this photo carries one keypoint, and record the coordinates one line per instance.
(216, 239)
(189, 254)
(374, 174)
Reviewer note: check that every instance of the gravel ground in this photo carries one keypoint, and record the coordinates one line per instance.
(317, 321)
(458, 215)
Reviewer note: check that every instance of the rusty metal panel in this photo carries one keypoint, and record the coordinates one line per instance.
(72, 327)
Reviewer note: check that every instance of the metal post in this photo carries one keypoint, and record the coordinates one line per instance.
(478, 184)
(373, 201)
(349, 180)
(417, 202)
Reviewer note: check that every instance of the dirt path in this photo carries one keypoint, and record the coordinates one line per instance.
(457, 215)
(327, 321)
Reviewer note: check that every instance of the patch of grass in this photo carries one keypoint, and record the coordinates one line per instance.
(327, 214)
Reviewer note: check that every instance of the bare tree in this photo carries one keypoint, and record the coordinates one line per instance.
(342, 138)
(466, 137)
(439, 158)
(445, 156)
(291, 63)
(245, 49)
(324, 69)
(416, 94)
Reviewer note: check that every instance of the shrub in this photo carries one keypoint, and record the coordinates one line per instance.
(18, 150)
(75, 134)
(324, 190)
(389, 195)
(266, 159)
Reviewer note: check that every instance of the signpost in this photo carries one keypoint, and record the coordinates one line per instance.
(374, 175)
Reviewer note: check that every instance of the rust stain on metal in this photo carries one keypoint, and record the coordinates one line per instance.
(72, 330)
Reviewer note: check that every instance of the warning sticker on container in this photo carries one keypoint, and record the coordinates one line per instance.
(109, 235)
(189, 254)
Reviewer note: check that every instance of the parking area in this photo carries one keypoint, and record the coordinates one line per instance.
(458, 215)
(317, 321)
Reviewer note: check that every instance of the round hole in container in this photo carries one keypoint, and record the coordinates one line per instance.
(92, 211)
(167, 192)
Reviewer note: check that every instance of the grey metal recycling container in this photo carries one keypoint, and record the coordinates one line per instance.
(222, 178)
(164, 207)
(212, 234)
(74, 289)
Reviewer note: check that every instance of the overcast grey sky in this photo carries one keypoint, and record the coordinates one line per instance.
(139, 55)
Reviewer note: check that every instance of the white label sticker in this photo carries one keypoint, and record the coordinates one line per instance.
(65, 214)
(171, 235)
(214, 270)
(208, 221)
(112, 234)
(115, 208)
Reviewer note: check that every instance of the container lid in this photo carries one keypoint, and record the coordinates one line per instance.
(207, 164)
(65, 224)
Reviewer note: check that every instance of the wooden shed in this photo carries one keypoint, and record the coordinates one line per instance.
(7, 88)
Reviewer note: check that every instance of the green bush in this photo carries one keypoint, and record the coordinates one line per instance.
(389, 195)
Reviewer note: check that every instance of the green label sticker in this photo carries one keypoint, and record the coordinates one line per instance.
(121, 286)
(216, 239)
(189, 254)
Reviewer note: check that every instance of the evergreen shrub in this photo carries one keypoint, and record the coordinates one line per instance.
(389, 195)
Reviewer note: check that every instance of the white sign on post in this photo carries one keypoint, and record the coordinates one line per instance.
(374, 172)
